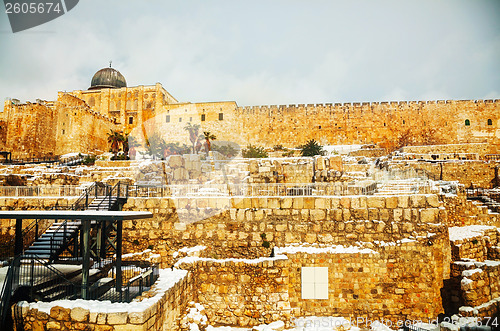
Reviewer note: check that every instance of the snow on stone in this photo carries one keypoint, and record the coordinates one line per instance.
(190, 250)
(167, 279)
(310, 249)
(135, 254)
(471, 231)
(468, 273)
(394, 243)
(465, 281)
(195, 314)
(278, 325)
(193, 259)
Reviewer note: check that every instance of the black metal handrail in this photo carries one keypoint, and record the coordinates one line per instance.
(109, 194)
(10, 284)
(92, 192)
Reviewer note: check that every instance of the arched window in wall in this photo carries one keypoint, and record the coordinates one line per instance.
(467, 122)
(490, 122)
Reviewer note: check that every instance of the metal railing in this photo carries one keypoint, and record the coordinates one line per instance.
(41, 191)
(137, 277)
(32, 279)
(119, 191)
(264, 189)
(29, 235)
(47, 159)
(492, 157)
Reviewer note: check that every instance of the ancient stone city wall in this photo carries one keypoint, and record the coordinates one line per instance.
(44, 129)
(432, 122)
(28, 130)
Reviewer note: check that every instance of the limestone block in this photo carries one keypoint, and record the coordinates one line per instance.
(391, 202)
(383, 215)
(317, 214)
(346, 214)
(130, 327)
(360, 213)
(53, 325)
(345, 202)
(403, 201)
(397, 214)
(273, 203)
(335, 203)
(309, 202)
(373, 214)
(320, 203)
(310, 238)
(286, 203)
(380, 227)
(298, 203)
(428, 215)
(418, 201)
(253, 167)
(60, 313)
(375, 202)
(79, 314)
(281, 227)
(180, 226)
(433, 200)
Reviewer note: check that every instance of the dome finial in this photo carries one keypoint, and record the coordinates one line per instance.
(110, 63)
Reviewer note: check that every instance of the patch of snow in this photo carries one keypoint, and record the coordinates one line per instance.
(194, 259)
(466, 232)
(278, 325)
(335, 249)
(468, 273)
(466, 281)
(167, 279)
(189, 250)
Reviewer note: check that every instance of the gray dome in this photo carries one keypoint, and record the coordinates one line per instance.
(107, 78)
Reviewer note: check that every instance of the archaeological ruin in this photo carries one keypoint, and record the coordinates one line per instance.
(396, 222)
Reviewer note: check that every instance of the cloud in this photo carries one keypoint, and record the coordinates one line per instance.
(264, 53)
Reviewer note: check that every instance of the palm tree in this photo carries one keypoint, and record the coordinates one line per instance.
(115, 138)
(193, 134)
(208, 136)
(156, 146)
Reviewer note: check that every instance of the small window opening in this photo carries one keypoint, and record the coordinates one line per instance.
(203, 117)
(490, 122)
(63, 131)
(221, 116)
(180, 119)
(467, 122)
(167, 119)
(319, 127)
(130, 120)
(403, 121)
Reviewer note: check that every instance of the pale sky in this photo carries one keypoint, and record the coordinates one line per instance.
(264, 52)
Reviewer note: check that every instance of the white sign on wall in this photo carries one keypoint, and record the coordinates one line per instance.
(314, 282)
